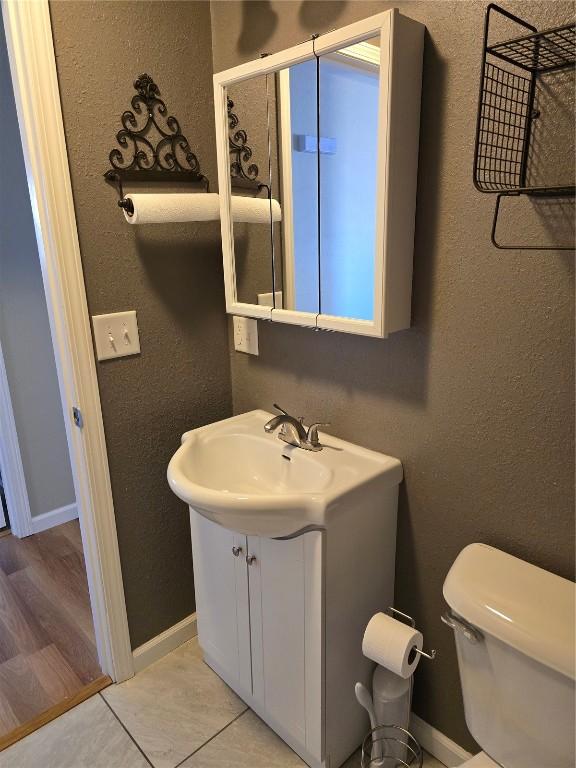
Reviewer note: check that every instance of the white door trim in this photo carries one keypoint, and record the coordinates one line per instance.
(33, 67)
(11, 467)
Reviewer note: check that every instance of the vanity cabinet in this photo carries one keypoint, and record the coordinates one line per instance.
(282, 620)
(259, 606)
(221, 583)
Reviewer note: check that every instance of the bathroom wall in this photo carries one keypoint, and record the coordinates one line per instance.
(24, 330)
(171, 275)
(476, 398)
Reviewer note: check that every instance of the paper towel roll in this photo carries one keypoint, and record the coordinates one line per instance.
(390, 643)
(168, 207)
(254, 210)
(173, 207)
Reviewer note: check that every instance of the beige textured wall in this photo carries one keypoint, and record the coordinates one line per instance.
(172, 276)
(476, 398)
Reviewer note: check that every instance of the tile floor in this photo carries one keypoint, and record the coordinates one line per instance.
(175, 713)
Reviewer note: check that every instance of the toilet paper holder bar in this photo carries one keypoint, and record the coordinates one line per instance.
(394, 612)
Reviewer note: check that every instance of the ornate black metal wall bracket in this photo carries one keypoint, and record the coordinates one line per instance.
(506, 111)
(143, 157)
(244, 173)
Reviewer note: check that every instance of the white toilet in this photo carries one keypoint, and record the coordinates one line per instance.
(514, 629)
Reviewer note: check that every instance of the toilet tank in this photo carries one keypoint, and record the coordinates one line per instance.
(516, 649)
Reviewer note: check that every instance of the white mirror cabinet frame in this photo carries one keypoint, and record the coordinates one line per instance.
(401, 47)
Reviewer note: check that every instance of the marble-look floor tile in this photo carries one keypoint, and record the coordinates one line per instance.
(249, 743)
(88, 736)
(246, 743)
(174, 706)
(429, 761)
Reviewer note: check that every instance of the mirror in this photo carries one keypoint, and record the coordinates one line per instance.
(349, 89)
(297, 276)
(250, 180)
(333, 126)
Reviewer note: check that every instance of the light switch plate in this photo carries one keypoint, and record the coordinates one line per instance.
(245, 335)
(116, 335)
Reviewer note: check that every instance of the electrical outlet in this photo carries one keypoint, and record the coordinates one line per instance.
(116, 335)
(245, 335)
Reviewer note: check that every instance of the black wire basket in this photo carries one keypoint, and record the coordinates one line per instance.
(506, 106)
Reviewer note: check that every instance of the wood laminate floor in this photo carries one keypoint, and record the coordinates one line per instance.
(47, 645)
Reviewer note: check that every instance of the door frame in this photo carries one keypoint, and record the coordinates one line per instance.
(33, 67)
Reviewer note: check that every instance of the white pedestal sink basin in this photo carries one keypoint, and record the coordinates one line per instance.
(235, 474)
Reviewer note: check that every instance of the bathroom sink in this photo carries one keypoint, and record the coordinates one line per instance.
(235, 474)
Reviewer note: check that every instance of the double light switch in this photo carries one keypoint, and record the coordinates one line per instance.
(116, 335)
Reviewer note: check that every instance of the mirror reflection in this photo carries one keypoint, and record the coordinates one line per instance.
(250, 182)
(349, 89)
(297, 187)
(317, 197)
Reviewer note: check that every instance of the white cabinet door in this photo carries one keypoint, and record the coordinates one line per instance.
(221, 585)
(286, 631)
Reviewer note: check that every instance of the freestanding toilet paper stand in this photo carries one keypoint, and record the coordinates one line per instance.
(389, 746)
(389, 743)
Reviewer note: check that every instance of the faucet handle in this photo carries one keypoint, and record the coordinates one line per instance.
(313, 431)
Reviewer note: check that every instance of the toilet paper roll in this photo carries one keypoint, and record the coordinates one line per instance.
(255, 210)
(169, 207)
(391, 644)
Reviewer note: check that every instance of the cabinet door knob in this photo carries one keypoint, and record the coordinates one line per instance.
(236, 551)
(250, 559)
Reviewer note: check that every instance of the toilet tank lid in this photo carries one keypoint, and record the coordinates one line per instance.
(524, 606)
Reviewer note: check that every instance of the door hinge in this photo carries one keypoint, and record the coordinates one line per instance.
(77, 416)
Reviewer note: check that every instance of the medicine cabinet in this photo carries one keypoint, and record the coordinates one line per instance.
(328, 132)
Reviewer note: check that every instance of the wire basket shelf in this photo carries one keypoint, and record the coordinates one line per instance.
(506, 107)
(502, 134)
(540, 52)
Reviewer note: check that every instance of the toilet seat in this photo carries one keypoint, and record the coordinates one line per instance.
(481, 760)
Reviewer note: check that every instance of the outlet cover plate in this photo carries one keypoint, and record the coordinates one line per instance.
(116, 335)
(245, 335)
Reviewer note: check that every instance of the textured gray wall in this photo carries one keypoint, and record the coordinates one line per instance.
(172, 276)
(24, 329)
(476, 398)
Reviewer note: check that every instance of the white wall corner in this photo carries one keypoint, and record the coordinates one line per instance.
(11, 466)
(54, 517)
(437, 744)
(164, 643)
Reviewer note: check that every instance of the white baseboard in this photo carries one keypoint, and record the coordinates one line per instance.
(54, 517)
(437, 744)
(165, 642)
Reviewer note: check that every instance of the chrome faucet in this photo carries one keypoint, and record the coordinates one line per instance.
(294, 432)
